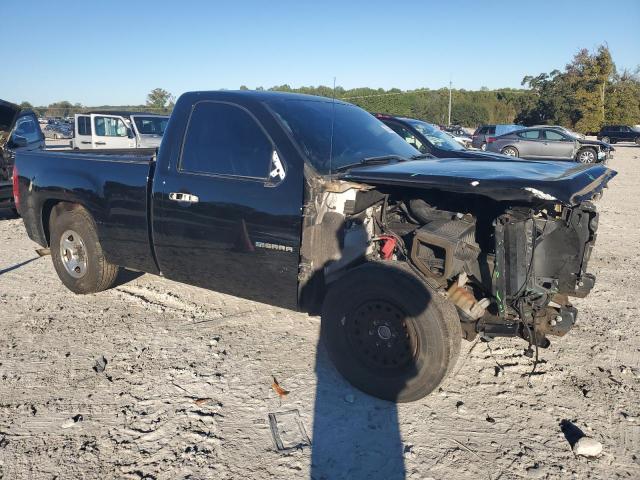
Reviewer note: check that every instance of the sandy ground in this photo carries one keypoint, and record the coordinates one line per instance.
(186, 391)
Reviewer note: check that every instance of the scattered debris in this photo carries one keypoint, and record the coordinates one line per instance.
(101, 364)
(203, 401)
(278, 389)
(43, 252)
(490, 419)
(461, 408)
(288, 431)
(587, 447)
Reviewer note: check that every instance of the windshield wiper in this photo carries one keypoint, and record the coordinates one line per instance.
(382, 159)
(421, 156)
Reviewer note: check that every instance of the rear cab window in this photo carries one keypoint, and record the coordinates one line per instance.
(225, 139)
(84, 125)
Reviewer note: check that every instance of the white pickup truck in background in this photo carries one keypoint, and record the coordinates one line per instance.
(96, 130)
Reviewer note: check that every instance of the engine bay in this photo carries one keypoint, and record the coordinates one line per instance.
(508, 268)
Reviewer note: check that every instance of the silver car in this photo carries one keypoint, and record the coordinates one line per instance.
(549, 144)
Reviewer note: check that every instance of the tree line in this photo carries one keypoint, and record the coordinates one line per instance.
(587, 93)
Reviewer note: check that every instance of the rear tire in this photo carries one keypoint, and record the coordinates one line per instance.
(587, 155)
(483, 147)
(77, 253)
(510, 151)
(388, 334)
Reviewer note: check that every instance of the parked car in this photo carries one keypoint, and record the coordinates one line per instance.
(480, 137)
(312, 203)
(459, 134)
(549, 144)
(19, 131)
(58, 131)
(429, 139)
(620, 133)
(117, 130)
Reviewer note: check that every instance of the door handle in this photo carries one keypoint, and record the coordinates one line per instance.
(85, 142)
(101, 143)
(183, 197)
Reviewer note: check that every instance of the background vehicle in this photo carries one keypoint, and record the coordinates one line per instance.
(19, 131)
(429, 139)
(549, 144)
(619, 133)
(312, 203)
(117, 130)
(58, 131)
(480, 136)
(459, 135)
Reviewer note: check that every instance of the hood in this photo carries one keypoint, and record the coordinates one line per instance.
(483, 155)
(8, 115)
(603, 145)
(516, 180)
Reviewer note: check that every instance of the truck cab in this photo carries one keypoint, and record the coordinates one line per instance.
(118, 130)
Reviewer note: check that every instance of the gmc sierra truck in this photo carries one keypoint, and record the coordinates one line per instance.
(313, 204)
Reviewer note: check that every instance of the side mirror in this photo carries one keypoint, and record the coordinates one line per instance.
(19, 141)
(129, 133)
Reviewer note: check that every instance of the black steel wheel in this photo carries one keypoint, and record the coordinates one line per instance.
(388, 334)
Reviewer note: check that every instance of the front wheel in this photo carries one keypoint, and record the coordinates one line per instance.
(510, 151)
(637, 141)
(388, 334)
(483, 147)
(77, 253)
(587, 155)
(606, 140)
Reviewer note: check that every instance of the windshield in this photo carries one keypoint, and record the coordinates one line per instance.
(357, 135)
(151, 125)
(436, 137)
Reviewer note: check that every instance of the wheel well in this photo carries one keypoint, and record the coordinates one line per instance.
(47, 211)
(509, 146)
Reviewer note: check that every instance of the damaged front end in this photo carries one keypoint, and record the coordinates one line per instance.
(507, 255)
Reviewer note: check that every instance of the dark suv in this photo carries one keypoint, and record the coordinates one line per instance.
(19, 130)
(619, 133)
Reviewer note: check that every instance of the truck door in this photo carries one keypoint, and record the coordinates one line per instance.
(110, 131)
(227, 211)
(82, 132)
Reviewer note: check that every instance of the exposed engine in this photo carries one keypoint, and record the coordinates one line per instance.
(508, 269)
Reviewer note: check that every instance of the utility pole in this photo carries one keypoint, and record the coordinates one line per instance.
(449, 103)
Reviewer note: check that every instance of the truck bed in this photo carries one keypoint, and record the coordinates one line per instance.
(114, 185)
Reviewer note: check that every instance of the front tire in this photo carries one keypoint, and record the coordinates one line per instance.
(637, 141)
(77, 253)
(606, 140)
(587, 155)
(510, 151)
(388, 334)
(483, 147)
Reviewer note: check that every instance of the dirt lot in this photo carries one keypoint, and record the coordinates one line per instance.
(186, 390)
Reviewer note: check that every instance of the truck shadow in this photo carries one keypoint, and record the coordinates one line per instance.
(7, 214)
(356, 436)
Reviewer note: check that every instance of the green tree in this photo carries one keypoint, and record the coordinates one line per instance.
(160, 99)
(59, 109)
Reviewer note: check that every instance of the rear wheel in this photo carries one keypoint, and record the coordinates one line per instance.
(587, 155)
(77, 253)
(483, 147)
(511, 151)
(388, 334)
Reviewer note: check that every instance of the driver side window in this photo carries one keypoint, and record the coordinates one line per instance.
(552, 135)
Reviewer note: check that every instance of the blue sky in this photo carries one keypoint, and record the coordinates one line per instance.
(115, 52)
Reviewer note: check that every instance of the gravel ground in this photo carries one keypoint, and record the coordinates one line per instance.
(186, 388)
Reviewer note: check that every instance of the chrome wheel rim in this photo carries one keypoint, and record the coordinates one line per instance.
(483, 146)
(587, 156)
(510, 152)
(605, 139)
(73, 254)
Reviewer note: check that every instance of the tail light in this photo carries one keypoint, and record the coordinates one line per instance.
(491, 139)
(16, 188)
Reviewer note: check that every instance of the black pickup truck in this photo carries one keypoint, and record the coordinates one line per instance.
(313, 204)
(19, 130)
